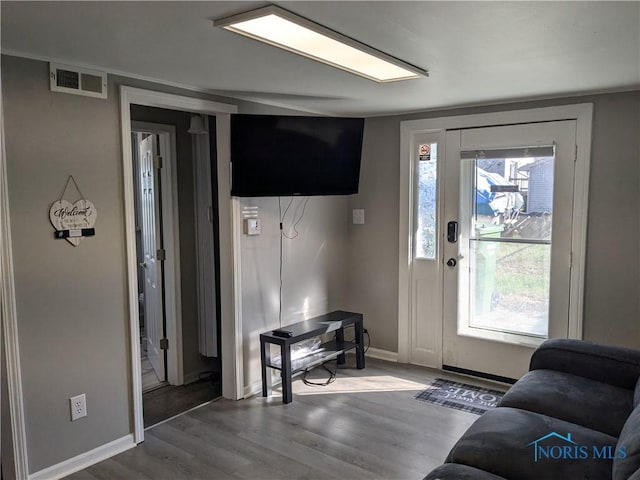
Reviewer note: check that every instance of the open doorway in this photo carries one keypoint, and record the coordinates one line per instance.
(177, 372)
(227, 215)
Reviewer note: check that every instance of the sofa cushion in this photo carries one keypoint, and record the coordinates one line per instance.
(455, 471)
(635, 476)
(604, 363)
(592, 404)
(624, 468)
(636, 395)
(505, 442)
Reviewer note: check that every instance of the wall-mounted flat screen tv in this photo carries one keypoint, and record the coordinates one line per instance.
(275, 155)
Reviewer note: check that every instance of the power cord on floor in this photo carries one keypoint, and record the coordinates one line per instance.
(331, 379)
(332, 373)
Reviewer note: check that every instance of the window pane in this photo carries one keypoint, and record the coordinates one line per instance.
(510, 287)
(427, 212)
(515, 194)
(509, 241)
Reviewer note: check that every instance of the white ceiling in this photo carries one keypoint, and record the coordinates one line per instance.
(476, 52)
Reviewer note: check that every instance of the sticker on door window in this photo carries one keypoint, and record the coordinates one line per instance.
(425, 152)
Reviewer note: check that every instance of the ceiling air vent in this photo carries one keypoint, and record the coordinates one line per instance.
(76, 80)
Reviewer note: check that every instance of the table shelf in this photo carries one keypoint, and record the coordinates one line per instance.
(326, 351)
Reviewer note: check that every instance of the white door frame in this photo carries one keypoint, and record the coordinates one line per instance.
(171, 243)
(9, 321)
(231, 354)
(583, 114)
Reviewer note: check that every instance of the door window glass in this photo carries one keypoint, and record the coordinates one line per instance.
(510, 210)
(425, 236)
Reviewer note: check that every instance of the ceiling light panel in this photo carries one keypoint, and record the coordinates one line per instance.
(283, 29)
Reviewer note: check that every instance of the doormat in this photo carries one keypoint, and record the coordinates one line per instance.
(460, 396)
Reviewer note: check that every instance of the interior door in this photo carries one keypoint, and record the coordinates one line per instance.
(507, 254)
(154, 314)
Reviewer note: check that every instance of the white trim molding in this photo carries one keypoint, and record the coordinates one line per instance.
(256, 388)
(84, 460)
(405, 248)
(380, 354)
(583, 115)
(8, 311)
(231, 320)
(232, 378)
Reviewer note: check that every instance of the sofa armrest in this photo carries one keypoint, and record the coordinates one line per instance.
(613, 365)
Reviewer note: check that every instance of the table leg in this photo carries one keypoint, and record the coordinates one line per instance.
(285, 355)
(340, 345)
(359, 344)
(265, 357)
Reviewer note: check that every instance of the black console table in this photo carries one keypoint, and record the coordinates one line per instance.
(314, 327)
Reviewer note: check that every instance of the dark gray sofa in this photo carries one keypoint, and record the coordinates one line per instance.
(574, 415)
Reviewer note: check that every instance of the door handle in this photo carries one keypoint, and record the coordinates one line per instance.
(143, 264)
(452, 262)
(452, 232)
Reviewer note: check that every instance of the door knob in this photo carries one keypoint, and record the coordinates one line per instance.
(143, 264)
(451, 262)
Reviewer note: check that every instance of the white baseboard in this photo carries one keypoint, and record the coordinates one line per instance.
(256, 387)
(382, 354)
(253, 389)
(85, 460)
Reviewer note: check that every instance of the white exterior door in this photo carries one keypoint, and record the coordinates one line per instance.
(149, 202)
(507, 244)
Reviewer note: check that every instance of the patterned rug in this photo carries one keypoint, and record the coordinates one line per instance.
(460, 396)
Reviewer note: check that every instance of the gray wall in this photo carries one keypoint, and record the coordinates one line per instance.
(193, 362)
(612, 282)
(71, 304)
(314, 275)
(73, 323)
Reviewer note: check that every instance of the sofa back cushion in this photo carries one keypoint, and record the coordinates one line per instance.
(628, 447)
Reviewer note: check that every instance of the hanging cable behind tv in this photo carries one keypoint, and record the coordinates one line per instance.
(292, 234)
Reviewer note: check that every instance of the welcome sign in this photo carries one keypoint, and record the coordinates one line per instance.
(70, 219)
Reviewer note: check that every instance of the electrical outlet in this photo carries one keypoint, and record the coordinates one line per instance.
(78, 407)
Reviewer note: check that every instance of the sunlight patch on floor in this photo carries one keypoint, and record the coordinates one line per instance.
(377, 383)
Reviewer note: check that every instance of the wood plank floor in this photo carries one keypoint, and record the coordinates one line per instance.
(364, 425)
(168, 401)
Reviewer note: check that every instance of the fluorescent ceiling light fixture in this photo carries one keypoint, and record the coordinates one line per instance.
(281, 28)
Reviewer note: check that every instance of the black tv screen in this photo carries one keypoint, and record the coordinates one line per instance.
(275, 155)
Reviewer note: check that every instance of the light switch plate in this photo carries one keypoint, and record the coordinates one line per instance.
(358, 216)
